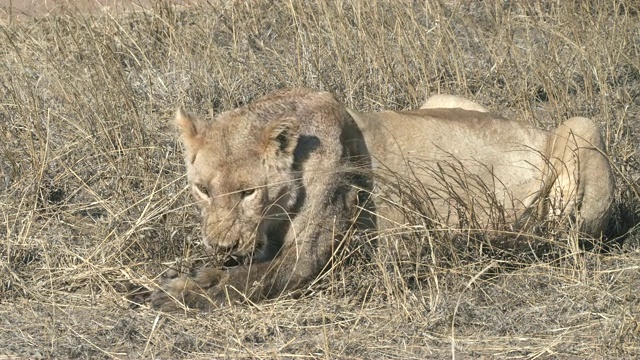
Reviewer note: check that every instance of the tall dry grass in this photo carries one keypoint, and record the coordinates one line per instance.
(93, 189)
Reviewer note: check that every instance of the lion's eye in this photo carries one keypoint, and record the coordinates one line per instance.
(246, 193)
(202, 189)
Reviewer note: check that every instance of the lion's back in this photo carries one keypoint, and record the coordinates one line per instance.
(457, 158)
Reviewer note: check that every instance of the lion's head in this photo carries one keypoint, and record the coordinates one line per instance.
(239, 168)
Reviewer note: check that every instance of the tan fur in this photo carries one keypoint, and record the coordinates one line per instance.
(283, 180)
(481, 171)
(445, 101)
(279, 182)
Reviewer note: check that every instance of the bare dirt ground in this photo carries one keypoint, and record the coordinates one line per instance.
(92, 187)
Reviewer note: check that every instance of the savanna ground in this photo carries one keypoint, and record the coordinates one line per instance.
(93, 195)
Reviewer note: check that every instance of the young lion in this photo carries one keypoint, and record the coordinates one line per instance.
(281, 182)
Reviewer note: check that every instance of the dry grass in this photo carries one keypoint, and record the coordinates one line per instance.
(93, 192)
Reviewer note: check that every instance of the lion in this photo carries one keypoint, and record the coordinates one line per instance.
(483, 170)
(280, 183)
(284, 182)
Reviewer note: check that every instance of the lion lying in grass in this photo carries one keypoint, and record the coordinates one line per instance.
(281, 182)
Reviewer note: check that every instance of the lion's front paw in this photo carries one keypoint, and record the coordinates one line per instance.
(201, 291)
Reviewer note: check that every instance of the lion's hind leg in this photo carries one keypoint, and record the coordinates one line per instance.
(583, 185)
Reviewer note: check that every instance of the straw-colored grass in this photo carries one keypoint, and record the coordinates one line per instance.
(92, 187)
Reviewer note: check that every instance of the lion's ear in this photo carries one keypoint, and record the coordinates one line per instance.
(281, 136)
(190, 127)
